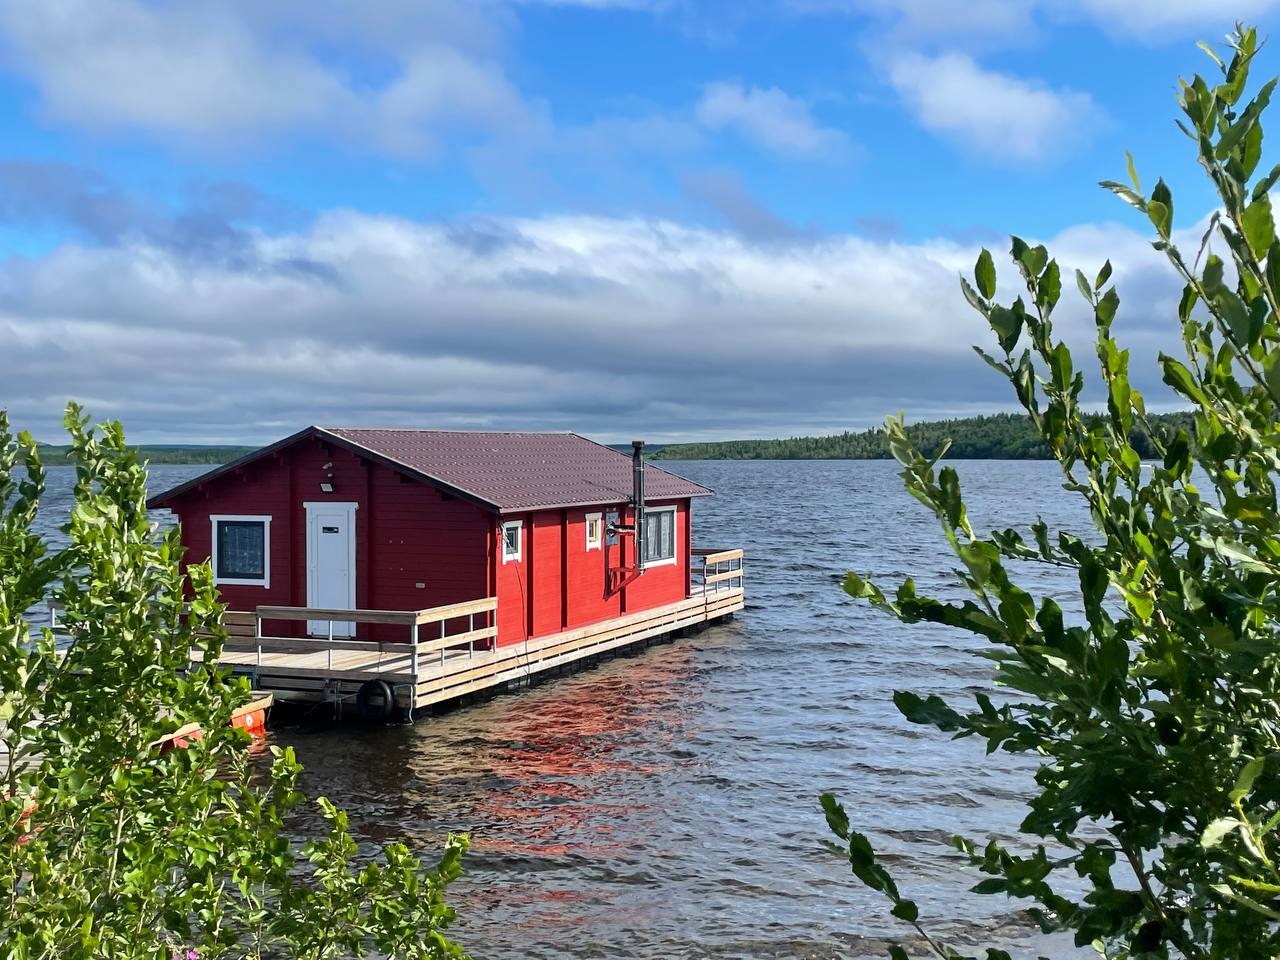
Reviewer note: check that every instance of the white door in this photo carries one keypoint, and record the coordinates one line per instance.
(331, 564)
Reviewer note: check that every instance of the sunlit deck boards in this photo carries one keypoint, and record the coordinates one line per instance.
(445, 668)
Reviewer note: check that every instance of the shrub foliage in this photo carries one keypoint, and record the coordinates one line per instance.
(113, 848)
(1154, 715)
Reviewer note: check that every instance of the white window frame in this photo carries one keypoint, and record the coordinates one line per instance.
(507, 556)
(598, 518)
(675, 540)
(214, 520)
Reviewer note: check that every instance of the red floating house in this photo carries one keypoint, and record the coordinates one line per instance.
(362, 539)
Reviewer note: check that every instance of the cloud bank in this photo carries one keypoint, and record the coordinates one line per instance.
(614, 327)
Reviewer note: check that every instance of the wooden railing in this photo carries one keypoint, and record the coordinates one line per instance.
(714, 570)
(449, 619)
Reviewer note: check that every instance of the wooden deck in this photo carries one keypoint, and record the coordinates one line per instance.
(422, 672)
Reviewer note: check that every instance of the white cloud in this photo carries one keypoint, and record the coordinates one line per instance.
(768, 117)
(1161, 17)
(996, 23)
(210, 73)
(1002, 116)
(949, 20)
(590, 323)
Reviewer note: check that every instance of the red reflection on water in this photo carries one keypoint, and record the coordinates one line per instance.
(569, 747)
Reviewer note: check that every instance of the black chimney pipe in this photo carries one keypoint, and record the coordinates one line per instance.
(637, 498)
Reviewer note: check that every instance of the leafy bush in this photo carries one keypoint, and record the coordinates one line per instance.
(112, 848)
(1154, 717)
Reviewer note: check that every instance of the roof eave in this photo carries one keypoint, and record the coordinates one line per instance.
(163, 500)
(534, 508)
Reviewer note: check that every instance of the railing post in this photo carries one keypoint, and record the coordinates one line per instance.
(331, 644)
(413, 639)
(471, 628)
(257, 635)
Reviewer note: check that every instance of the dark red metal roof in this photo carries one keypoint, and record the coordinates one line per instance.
(519, 471)
(504, 471)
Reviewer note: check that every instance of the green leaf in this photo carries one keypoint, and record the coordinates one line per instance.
(1125, 194)
(984, 274)
(1273, 268)
(1212, 278)
(837, 819)
(1082, 284)
(1049, 290)
(1133, 172)
(1248, 774)
(1215, 832)
(906, 910)
(1035, 259)
(1259, 226)
(1213, 55)
(1103, 276)
(1105, 312)
(1264, 185)
(1236, 315)
(1180, 379)
(1188, 302)
(1160, 209)
(972, 297)
(1007, 325)
(1252, 152)
(931, 710)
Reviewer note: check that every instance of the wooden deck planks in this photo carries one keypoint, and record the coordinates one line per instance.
(319, 673)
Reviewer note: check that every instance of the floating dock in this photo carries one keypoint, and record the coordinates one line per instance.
(449, 651)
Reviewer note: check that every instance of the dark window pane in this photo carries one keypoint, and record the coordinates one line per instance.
(242, 549)
(659, 535)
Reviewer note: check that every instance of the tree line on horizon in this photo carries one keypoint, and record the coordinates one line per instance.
(58, 455)
(1000, 436)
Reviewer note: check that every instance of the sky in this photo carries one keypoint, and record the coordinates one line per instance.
(671, 219)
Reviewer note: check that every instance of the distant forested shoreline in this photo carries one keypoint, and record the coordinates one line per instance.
(1001, 436)
(53, 455)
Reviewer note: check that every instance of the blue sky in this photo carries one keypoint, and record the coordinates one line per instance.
(222, 221)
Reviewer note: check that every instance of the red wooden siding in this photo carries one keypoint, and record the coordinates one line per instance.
(586, 571)
(556, 566)
(662, 584)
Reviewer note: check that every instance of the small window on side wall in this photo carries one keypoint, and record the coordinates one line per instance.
(595, 531)
(659, 536)
(241, 550)
(511, 540)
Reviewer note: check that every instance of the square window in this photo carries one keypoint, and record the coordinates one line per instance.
(595, 531)
(511, 541)
(660, 535)
(241, 550)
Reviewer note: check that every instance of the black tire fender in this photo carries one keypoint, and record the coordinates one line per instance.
(367, 701)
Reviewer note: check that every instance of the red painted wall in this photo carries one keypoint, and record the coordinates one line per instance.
(662, 584)
(556, 569)
(586, 571)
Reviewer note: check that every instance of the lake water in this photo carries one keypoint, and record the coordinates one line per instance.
(665, 804)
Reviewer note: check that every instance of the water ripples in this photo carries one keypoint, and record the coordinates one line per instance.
(664, 804)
